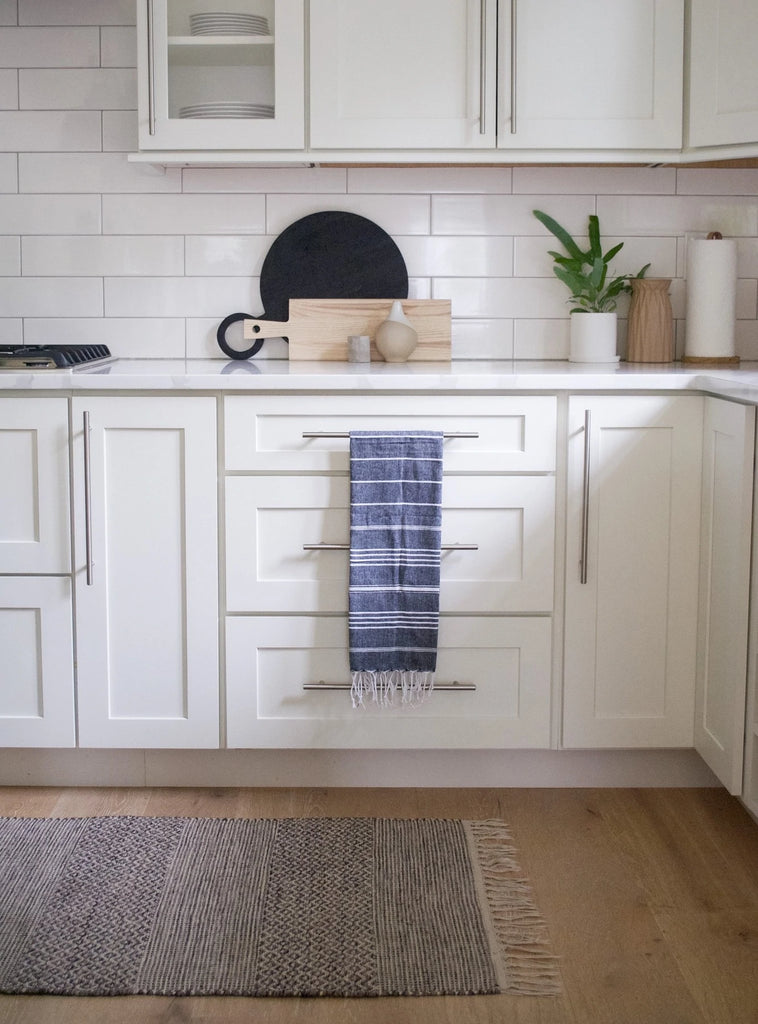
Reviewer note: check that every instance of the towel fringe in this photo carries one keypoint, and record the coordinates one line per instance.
(516, 928)
(381, 687)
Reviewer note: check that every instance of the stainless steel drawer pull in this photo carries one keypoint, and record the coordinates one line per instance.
(323, 546)
(344, 433)
(483, 67)
(449, 687)
(151, 66)
(514, 59)
(87, 499)
(585, 497)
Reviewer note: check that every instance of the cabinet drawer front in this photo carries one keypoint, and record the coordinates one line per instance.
(268, 661)
(265, 433)
(34, 498)
(269, 519)
(37, 691)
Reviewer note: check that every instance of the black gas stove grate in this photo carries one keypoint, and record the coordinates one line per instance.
(51, 356)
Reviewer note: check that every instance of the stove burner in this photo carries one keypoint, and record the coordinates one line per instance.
(51, 357)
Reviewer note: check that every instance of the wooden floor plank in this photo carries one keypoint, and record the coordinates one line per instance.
(650, 898)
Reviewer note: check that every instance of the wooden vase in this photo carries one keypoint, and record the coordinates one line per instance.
(650, 337)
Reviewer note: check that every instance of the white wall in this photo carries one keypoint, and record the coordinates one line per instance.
(94, 248)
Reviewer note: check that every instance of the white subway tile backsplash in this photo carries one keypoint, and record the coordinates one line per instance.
(541, 339)
(742, 181)
(50, 47)
(118, 47)
(180, 296)
(8, 12)
(507, 215)
(226, 255)
(8, 89)
(482, 339)
(78, 89)
(11, 329)
(746, 300)
(264, 179)
(119, 131)
(8, 172)
(49, 131)
(10, 255)
(51, 296)
(676, 215)
(457, 255)
(49, 214)
(101, 255)
(92, 173)
(594, 180)
(746, 339)
(502, 296)
(126, 337)
(76, 12)
(747, 257)
(397, 214)
(429, 179)
(183, 214)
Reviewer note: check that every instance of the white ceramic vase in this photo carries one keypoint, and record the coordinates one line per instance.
(593, 338)
(395, 336)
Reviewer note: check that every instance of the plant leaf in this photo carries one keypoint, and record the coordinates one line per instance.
(612, 252)
(594, 233)
(560, 233)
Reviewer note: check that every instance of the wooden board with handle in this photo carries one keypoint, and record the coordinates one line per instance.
(319, 328)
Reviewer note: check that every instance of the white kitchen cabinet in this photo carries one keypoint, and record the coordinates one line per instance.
(594, 74)
(270, 659)
(37, 673)
(591, 74)
(399, 75)
(36, 646)
(728, 442)
(184, 77)
(504, 526)
(35, 521)
(723, 72)
(146, 572)
(633, 521)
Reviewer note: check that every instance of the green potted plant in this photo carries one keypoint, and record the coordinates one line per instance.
(593, 292)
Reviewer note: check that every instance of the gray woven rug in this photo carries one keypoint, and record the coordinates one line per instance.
(314, 907)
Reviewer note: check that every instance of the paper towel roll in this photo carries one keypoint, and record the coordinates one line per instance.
(711, 289)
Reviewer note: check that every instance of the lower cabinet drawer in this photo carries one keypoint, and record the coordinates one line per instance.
(507, 523)
(270, 658)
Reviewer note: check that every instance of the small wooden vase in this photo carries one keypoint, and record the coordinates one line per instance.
(650, 337)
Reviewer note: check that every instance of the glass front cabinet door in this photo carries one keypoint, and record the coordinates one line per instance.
(221, 74)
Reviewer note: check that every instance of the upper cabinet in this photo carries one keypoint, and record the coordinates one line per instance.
(229, 78)
(723, 72)
(595, 74)
(478, 74)
(399, 75)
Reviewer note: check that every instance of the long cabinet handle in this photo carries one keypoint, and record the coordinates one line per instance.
(151, 66)
(482, 67)
(87, 499)
(585, 497)
(344, 433)
(322, 546)
(514, 59)
(449, 687)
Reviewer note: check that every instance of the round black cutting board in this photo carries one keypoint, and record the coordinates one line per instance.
(333, 254)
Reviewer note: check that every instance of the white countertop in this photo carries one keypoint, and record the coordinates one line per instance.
(485, 376)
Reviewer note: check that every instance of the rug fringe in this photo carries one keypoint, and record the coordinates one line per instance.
(515, 924)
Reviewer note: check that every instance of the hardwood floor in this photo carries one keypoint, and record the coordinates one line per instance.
(650, 896)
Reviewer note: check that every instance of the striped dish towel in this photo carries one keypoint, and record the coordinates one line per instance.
(394, 596)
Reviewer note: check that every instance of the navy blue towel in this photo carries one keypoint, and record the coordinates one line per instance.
(395, 527)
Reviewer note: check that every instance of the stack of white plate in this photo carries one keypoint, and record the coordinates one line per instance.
(220, 23)
(227, 109)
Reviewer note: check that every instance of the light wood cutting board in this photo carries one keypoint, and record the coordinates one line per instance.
(319, 328)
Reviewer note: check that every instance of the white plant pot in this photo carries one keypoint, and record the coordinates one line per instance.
(593, 338)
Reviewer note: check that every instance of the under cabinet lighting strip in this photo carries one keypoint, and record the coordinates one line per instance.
(449, 687)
